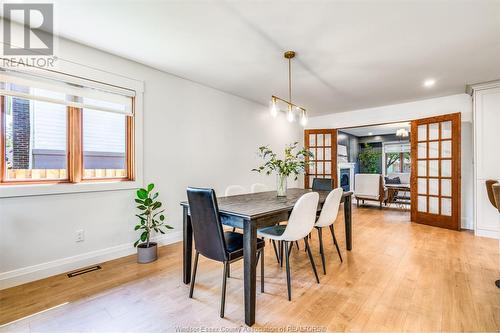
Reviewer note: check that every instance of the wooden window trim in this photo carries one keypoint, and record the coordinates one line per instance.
(74, 164)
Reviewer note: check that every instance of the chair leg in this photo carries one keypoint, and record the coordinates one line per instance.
(276, 251)
(193, 277)
(335, 242)
(290, 248)
(311, 260)
(228, 271)
(357, 203)
(262, 270)
(281, 244)
(288, 282)
(321, 250)
(223, 298)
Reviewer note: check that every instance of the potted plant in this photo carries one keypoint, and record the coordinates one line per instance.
(150, 218)
(293, 163)
(369, 159)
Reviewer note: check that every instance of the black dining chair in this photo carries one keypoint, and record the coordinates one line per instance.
(322, 184)
(212, 242)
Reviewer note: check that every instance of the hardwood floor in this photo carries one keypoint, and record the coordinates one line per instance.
(399, 277)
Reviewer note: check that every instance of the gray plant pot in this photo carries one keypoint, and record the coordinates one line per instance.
(147, 254)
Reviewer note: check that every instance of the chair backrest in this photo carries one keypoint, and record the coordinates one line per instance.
(257, 187)
(496, 192)
(234, 190)
(207, 228)
(367, 184)
(302, 218)
(330, 208)
(322, 184)
(491, 194)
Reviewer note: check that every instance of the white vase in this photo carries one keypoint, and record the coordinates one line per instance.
(281, 185)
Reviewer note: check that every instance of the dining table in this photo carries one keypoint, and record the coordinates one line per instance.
(250, 212)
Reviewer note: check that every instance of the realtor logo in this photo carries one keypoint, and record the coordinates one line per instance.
(36, 34)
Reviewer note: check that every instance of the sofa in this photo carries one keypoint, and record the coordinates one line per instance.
(404, 177)
(369, 187)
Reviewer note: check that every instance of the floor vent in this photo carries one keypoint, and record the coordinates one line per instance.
(84, 270)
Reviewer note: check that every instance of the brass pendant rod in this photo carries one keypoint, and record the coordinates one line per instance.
(287, 102)
(290, 80)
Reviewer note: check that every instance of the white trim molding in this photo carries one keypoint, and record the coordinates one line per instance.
(63, 265)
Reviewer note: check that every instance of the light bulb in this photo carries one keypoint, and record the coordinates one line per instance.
(290, 117)
(274, 108)
(303, 118)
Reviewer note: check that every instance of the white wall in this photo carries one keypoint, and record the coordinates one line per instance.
(414, 110)
(193, 135)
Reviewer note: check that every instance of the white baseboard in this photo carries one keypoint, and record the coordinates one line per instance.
(41, 271)
(488, 233)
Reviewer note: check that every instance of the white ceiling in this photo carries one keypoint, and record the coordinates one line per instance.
(377, 129)
(351, 54)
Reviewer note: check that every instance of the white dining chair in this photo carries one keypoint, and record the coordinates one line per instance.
(234, 190)
(327, 218)
(300, 224)
(257, 187)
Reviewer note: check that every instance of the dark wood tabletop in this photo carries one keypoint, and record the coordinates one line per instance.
(252, 206)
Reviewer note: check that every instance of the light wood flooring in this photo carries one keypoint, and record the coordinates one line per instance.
(400, 276)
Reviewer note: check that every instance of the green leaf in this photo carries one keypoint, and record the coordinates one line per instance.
(144, 236)
(150, 187)
(141, 207)
(156, 205)
(161, 211)
(168, 227)
(137, 227)
(162, 217)
(155, 196)
(148, 202)
(136, 243)
(139, 201)
(142, 193)
(162, 232)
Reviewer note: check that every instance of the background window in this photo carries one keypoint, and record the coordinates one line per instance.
(35, 138)
(104, 144)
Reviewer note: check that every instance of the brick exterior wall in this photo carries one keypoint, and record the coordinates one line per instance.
(21, 133)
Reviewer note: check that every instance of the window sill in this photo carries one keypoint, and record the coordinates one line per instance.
(19, 190)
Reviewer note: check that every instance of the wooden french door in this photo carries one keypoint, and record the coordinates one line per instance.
(435, 171)
(323, 144)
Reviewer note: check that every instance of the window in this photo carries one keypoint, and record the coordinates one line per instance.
(55, 132)
(104, 144)
(397, 158)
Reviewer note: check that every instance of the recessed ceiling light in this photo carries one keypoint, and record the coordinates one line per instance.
(429, 83)
(370, 133)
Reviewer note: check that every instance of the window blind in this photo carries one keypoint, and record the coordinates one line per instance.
(67, 90)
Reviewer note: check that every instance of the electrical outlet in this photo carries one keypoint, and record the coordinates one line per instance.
(79, 236)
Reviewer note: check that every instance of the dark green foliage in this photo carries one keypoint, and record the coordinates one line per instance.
(149, 217)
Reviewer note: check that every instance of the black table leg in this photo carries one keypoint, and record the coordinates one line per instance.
(249, 252)
(187, 245)
(348, 222)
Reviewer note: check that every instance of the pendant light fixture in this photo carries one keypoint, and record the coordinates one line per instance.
(291, 108)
